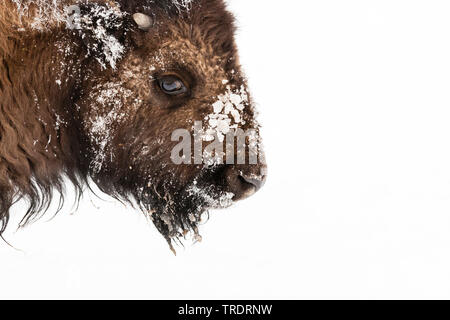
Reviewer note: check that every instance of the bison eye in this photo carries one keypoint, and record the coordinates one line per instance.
(172, 85)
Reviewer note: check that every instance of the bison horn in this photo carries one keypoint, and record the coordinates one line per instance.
(143, 21)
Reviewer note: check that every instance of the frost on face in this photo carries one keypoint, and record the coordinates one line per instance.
(100, 126)
(227, 114)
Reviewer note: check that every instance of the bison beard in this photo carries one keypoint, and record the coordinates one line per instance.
(85, 102)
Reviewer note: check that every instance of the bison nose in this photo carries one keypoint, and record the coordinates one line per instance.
(244, 184)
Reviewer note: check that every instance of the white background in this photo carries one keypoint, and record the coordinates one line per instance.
(355, 101)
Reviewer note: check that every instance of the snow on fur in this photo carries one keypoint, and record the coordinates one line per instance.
(47, 13)
(227, 113)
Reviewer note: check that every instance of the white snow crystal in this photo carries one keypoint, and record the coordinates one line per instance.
(47, 13)
(227, 113)
(225, 200)
(183, 4)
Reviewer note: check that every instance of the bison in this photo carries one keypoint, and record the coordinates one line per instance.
(94, 92)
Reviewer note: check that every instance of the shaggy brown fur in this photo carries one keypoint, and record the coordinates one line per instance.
(68, 109)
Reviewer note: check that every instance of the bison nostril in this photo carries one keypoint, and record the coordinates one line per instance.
(245, 189)
(257, 182)
(243, 184)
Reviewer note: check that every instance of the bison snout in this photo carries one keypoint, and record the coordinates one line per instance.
(245, 182)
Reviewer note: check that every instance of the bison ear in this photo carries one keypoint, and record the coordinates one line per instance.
(143, 21)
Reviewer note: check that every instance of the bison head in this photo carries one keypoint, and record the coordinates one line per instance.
(158, 92)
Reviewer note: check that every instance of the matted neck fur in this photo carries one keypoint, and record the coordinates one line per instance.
(97, 95)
